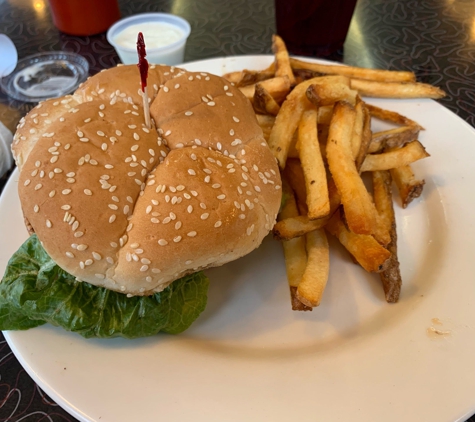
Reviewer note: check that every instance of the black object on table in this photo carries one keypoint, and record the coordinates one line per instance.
(433, 38)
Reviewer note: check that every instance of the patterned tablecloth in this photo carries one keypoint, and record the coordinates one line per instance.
(433, 38)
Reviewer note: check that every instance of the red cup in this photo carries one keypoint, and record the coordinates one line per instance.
(313, 27)
(84, 17)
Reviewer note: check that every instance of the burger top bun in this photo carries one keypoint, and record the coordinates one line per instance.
(130, 208)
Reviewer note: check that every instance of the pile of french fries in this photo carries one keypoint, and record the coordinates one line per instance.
(319, 129)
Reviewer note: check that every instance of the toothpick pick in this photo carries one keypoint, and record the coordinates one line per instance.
(146, 108)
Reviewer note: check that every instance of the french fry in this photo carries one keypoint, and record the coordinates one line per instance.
(294, 249)
(325, 115)
(382, 197)
(290, 228)
(359, 209)
(390, 276)
(408, 186)
(313, 282)
(357, 137)
(265, 122)
(391, 116)
(248, 77)
(364, 248)
(289, 116)
(312, 164)
(278, 87)
(393, 138)
(294, 174)
(295, 252)
(305, 74)
(394, 158)
(263, 101)
(366, 139)
(329, 93)
(355, 72)
(293, 151)
(282, 62)
(396, 89)
(233, 77)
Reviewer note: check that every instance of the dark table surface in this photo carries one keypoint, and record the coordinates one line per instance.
(433, 38)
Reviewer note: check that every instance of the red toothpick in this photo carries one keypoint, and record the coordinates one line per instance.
(143, 68)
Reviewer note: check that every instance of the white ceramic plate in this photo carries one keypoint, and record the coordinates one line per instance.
(250, 358)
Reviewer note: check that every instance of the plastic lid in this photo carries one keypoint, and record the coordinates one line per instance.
(45, 75)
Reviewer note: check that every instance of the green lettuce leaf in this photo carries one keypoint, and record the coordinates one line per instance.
(35, 291)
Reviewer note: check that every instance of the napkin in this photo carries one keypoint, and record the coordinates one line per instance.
(6, 159)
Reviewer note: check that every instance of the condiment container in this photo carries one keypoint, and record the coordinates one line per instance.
(165, 37)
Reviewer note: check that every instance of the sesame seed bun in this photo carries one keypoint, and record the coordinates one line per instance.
(130, 208)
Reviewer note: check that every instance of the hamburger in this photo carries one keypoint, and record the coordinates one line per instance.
(124, 218)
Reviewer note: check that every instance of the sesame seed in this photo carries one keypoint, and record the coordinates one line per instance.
(112, 218)
(53, 160)
(66, 191)
(69, 254)
(222, 196)
(113, 207)
(177, 239)
(189, 209)
(82, 247)
(96, 256)
(218, 224)
(136, 136)
(204, 216)
(78, 234)
(104, 146)
(52, 193)
(211, 103)
(75, 226)
(191, 234)
(188, 113)
(197, 142)
(88, 261)
(48, 224)
(242, 216)
(215, 185)
(162, 242)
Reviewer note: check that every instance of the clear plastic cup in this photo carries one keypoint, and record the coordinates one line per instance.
(6, 159)
(8, 54)
(171, 53)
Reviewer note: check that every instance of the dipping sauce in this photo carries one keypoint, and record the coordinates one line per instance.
(156, 34)
(165, 36)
